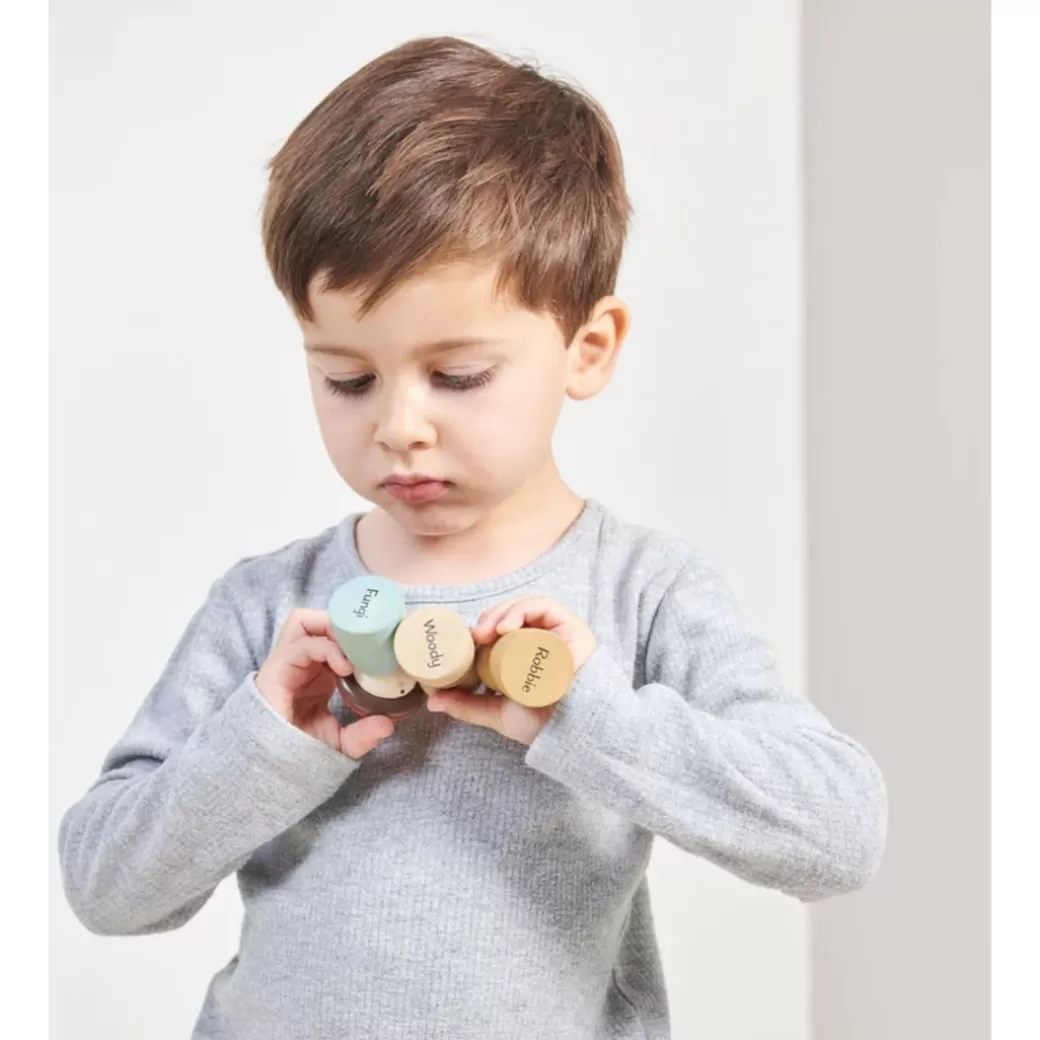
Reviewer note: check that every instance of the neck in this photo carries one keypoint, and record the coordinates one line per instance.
(514, 532)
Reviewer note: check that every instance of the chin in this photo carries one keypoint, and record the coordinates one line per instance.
(431, 519)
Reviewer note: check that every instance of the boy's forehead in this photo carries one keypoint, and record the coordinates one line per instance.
(451, 304)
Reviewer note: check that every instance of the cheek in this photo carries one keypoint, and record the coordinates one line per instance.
(341, 429)
(514, 420)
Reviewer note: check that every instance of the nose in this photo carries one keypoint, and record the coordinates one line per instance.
(403, 424)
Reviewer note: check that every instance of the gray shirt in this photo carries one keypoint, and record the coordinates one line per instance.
(454, 884)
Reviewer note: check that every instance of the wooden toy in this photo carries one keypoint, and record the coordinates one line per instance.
(365, 614)
(435, 647)
(401, 657)
(530, 666)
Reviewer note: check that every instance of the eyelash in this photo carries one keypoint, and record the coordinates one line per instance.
(357, 387)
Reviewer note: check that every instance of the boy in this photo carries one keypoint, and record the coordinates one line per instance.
(447, 227)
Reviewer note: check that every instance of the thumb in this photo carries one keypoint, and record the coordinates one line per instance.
(357, 739)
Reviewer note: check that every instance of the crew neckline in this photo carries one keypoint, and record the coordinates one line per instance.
(587, 521)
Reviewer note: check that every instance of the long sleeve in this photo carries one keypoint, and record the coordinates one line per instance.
(714, 754)
(206, 773)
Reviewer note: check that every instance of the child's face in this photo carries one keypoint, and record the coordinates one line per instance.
(439, 382)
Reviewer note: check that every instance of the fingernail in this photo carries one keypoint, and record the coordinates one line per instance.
(434, 706)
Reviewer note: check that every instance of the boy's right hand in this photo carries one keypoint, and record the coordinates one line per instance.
(299, 677)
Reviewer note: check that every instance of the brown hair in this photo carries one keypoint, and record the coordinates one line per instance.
(440, 150)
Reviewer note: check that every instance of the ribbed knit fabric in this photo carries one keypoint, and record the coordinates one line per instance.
(454, 884)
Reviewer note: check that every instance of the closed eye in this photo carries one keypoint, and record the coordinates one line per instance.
(469, 381)
(446, 381)
(350, 387)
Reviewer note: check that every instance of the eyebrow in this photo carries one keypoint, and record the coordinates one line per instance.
(436, 347)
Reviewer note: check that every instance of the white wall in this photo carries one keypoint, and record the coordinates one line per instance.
(897, 186)
(181, 431)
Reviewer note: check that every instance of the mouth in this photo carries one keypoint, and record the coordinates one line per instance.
(415, 488)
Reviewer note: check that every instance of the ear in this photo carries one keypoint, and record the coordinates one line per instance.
(593, 353)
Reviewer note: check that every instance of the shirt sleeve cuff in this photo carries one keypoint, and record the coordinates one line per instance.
(588, 724)
(274, 758)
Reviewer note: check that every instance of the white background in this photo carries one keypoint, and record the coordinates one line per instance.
(182, 437)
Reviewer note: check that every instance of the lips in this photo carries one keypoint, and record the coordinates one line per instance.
(415, 488)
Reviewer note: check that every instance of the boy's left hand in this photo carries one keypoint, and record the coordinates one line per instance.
(500, 713)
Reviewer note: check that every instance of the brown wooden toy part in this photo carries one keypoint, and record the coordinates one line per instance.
(435, 647)
(470, 682)
(390, 698)
(530, 666)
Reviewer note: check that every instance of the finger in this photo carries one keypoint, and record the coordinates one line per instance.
(302, 653)
(357, 739)
(312, 622)
(302, 622)
(467, 707)
(484, 629)
(537, 612)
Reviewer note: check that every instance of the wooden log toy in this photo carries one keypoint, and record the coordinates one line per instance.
(529, 665)
(399, 657)
(435, 647)
(365, 613)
